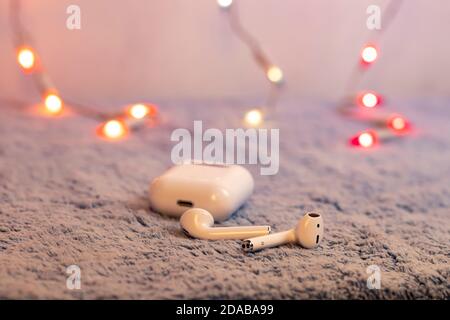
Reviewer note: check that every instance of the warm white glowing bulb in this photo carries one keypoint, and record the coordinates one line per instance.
(254, 117)
(369, 100)
(365, 139)
(224, 3)
(53, 103)
(274, 74)
(26, 58)
(139, 111)
(369, 54)
(114, 129)
(398, 123)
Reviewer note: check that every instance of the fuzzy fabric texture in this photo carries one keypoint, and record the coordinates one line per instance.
(70, 198)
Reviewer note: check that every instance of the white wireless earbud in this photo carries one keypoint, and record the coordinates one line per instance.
(199, 223)
(308, 234)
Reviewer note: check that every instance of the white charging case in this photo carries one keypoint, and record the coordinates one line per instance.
(219, 189)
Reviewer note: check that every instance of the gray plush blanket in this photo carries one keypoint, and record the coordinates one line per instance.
(69, 198)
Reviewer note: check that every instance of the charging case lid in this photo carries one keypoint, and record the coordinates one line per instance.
(219, 189)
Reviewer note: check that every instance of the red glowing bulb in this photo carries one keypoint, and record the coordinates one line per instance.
(369, 100)
(369, 54)
(364, 139)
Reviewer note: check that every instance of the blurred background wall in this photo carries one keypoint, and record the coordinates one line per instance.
(184, 49)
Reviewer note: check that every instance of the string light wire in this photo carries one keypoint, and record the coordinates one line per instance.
(272, 72)
(388, 15)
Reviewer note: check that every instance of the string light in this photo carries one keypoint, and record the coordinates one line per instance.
(253, 118)
(118, 127)
(273, 73)
(136, 114)
(26, 58)
(369, 54)
(369, 100)
(364, 139)
(224, 3)
(53, 103)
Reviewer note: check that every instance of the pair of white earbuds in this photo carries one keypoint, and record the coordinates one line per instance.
(199, 223)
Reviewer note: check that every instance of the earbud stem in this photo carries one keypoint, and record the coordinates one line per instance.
(237, 233)
(268, 241)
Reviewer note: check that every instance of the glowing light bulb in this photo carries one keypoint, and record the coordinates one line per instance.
(53, 103)
(369, 54)
(26, 58)
(253, 117)
(139, 111)
(224, 3)
(114, 129)
(365, 139)
(369, 100)
(274, 74)
(398, 124)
